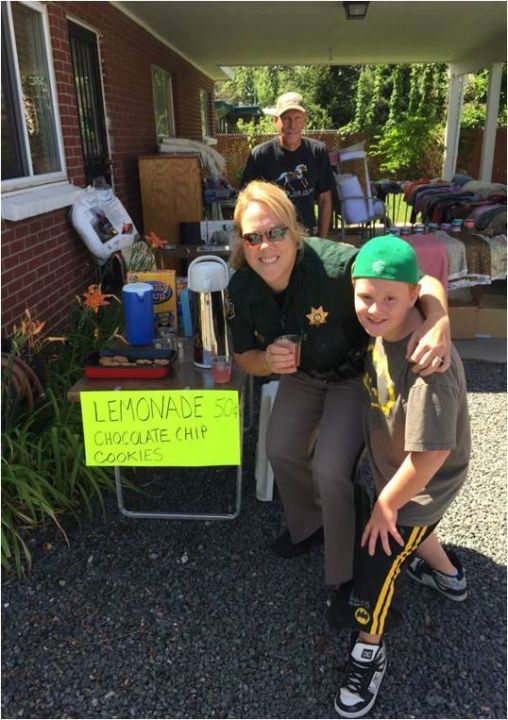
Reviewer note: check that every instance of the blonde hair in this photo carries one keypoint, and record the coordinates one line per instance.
(275, 200)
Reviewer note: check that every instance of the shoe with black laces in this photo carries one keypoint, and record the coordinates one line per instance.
(453, 587)
(283, 547)
(364, 674)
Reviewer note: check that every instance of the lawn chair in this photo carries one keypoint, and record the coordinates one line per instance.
(355, 206)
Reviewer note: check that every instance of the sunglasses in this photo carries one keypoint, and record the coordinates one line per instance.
(254, 239)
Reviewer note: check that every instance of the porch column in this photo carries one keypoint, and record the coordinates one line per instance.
(490, 129)
(452, 132)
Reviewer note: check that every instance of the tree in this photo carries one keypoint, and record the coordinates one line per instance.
(475, 99)
(414, 88)
(363, 91)
(327, 91)
(410, 148)
(334, 91)
(397, 103)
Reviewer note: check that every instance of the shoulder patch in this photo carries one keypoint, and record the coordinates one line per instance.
(229, 307)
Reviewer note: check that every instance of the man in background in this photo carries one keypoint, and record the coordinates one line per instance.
(300, 166)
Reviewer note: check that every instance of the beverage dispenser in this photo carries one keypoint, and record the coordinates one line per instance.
(207, 280)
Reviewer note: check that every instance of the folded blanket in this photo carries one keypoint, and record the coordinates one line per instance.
(482, 188)
(497, 256)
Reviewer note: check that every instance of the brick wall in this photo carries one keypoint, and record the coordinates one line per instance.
(44, 262)
(470, 151)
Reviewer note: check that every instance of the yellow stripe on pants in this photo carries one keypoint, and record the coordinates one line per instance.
(385, 596)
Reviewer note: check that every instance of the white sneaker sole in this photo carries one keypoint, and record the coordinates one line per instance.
(427, 582)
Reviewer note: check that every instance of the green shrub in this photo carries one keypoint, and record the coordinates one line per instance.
(44, 475)
(410, 148)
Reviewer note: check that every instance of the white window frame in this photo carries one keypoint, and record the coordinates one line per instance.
(22, 183)
(170, 104)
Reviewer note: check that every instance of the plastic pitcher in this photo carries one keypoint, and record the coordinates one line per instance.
(137, 300)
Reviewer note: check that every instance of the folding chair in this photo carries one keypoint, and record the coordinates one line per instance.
(355, 205)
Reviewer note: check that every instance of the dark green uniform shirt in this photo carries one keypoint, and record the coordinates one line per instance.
(317, 304)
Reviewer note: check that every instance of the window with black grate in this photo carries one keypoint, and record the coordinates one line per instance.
(88, 86)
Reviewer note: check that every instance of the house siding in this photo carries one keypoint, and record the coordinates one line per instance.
(44, 262)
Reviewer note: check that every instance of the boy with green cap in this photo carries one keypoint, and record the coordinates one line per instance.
(418, 438)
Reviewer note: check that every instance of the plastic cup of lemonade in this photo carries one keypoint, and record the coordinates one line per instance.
(294, 343)
(221, 369)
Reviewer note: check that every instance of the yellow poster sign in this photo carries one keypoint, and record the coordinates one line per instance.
(161, 427)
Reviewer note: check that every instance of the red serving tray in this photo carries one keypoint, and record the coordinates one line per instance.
(92, 369)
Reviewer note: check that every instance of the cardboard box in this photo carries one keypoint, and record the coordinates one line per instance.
(491, 322)
(463, 321)
(492, 315)
(164, 290)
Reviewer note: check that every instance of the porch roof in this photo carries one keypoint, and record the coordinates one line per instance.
(215, 34)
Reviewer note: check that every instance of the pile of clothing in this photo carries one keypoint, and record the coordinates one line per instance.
(477, 256)
(438, 201)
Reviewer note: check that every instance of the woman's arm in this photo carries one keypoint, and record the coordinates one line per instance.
(277, 359)
(253, 362)
(429, 347)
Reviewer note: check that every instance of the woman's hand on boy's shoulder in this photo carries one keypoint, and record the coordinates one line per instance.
(429, 347)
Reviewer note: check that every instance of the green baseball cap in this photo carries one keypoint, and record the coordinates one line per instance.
(387, 258)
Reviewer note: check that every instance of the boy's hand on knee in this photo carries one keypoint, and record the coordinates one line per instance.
(381, 524)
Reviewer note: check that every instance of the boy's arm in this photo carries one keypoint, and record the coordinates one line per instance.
(430, 345)
(412, 476)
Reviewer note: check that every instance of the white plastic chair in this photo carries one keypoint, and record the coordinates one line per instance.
(263, 472)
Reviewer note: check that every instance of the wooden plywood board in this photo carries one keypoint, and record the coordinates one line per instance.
(171, 193)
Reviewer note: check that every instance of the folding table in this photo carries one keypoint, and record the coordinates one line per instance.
(185, 376)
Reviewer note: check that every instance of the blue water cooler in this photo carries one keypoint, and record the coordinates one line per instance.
(137, 300)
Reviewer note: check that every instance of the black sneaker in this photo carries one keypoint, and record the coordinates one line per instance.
(283, 547)
(364, 674)
(454, 587)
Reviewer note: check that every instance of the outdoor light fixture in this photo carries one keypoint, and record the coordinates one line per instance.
(355, 10)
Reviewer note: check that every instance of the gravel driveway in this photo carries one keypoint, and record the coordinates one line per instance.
(173, 619)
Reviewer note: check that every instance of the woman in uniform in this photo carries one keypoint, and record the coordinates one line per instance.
(286, 283)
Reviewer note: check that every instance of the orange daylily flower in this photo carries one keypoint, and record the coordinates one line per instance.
(28, 327)
(95, 298)
(154, 240)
